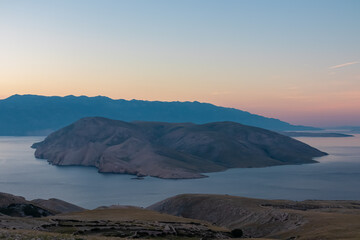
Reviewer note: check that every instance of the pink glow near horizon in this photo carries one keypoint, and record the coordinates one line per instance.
(298, 61)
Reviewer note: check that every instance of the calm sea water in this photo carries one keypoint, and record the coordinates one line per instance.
(337, 176)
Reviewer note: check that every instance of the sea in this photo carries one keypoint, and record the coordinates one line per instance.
(335, 177)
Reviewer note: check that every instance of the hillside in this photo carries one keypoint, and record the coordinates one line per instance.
(192, 216)
(276, 219)
(117, 222)
(170, 150)
(40, 115)
(20, 207)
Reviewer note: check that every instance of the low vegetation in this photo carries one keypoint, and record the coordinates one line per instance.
(277, 219)
(189, 216)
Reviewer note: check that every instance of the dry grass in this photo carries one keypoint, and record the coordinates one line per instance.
(324, 225)
(37, 235)
(330, 220)
(32, 235)
(276, 219)
(130, 214)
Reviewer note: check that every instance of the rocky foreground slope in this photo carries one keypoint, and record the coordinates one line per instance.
(170, 150)
(104, 223)
(191, 216)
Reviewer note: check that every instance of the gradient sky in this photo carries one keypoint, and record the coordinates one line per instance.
(294, 60)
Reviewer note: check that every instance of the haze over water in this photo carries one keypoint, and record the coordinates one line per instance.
(335, 177)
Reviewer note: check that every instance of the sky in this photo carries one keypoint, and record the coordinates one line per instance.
(296, 60)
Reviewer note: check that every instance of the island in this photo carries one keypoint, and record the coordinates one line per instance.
(170, 150)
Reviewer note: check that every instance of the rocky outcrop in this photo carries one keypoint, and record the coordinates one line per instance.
(25, 210)
(136, 229)
(170, 150)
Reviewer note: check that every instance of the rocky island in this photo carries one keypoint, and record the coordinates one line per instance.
(170, 150)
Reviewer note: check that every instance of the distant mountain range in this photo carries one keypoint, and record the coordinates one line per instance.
(39, 115)
(170, 150)
(348, 129)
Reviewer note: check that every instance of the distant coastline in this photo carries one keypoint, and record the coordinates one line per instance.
(42, 115)
(315, 134)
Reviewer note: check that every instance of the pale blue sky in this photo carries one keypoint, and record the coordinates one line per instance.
(274, 58)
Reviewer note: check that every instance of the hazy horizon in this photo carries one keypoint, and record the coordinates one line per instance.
(320, 126)
(297, 61)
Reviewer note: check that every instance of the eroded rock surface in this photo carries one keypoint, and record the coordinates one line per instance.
(170, 150)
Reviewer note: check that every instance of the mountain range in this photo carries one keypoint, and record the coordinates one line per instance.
(22, 115)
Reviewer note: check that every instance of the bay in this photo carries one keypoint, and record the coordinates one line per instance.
(335, 177)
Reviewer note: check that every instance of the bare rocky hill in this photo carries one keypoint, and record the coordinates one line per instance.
(57, 205)
(123, 222)
(279, 219)
(170, 150)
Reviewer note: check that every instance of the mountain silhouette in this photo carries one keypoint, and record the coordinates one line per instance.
(40, 115)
